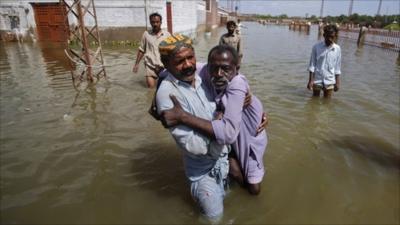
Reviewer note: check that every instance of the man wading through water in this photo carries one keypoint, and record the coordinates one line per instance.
(149, 49)
(205, 161)
(325, 63)
(237, 125)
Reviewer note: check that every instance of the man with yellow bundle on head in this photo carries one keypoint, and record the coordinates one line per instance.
(205, 161)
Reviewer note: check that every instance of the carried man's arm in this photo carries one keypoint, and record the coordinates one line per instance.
(186, 137)
(177, 115)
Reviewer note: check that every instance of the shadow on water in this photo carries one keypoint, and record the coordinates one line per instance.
(374, 150)
(159, 167)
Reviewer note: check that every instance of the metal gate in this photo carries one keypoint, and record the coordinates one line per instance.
(50, 22)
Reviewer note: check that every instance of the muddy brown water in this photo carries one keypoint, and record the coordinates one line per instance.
(96, 156)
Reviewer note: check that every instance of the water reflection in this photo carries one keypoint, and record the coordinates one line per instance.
(93, 102)
(54, 59)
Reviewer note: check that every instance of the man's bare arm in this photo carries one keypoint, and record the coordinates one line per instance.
(310, 81)
(139, 57)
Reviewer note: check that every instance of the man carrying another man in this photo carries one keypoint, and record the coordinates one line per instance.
(205, 161)
(237, 125)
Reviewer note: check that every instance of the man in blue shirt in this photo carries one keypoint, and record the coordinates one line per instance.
(325, 63)
(205, 161)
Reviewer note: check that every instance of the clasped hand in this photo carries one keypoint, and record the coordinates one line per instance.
(173, 116)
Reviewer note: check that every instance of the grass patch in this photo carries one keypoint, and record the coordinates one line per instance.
(393, 26)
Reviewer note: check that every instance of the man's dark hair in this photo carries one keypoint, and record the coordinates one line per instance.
(155, 14)
(219, 49)
(328, 29)
(230, 22)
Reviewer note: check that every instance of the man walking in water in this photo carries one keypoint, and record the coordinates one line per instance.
(149, 49)
(232, 39)
(325, 63)
(239, 27)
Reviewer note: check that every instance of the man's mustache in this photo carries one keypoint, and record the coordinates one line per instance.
(188, 71)
(219, 79)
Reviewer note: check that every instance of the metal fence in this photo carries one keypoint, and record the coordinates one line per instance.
(374, 37)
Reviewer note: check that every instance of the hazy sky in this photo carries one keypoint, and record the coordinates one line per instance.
(312, 7)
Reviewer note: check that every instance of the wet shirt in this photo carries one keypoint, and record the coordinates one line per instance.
(239, 125)
(200, 153)
(325, 63)
(149, 46)
(232, 40)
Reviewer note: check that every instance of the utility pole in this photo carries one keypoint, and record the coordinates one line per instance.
(379, 8)
(236, 7)
(321, 12)
(351, 7)
(89, 54)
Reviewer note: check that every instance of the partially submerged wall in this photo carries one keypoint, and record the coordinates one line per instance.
(118, 20)
(17, 22)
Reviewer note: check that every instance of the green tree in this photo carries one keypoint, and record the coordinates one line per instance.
(283, 16)
(354, 18)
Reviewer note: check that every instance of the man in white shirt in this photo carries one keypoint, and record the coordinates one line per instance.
(325, 63)
(239, 27)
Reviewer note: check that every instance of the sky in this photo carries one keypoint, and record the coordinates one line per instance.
(313, 7)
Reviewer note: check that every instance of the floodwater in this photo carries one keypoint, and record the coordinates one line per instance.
(96, 157)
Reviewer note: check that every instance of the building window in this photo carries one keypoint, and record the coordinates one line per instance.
(14, 22)
(208, 5)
